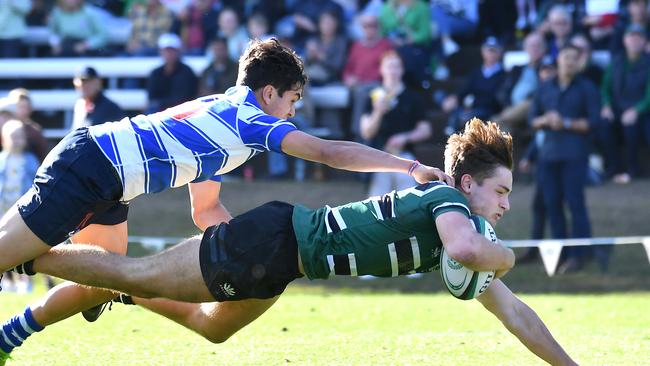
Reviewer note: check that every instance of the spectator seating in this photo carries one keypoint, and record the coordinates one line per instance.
(113, 69)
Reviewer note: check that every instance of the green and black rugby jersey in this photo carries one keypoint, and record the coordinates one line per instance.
(382, 236)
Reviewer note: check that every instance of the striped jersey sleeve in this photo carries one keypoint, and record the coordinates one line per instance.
(195, 141)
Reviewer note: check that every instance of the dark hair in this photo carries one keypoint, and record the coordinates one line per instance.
(478, 151)
(270, 63)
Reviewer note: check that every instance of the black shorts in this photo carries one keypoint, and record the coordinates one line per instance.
(75, 186)
(254, 256)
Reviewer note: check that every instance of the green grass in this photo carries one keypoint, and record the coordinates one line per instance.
(316, 326)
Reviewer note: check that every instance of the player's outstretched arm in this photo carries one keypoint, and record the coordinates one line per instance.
(352, 156)
(523, 322)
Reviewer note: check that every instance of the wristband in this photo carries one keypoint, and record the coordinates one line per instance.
(413, 167)
(566, 122)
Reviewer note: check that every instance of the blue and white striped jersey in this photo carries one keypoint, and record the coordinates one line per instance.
(192, 142)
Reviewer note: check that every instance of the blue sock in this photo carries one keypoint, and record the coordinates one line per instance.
(15, 330)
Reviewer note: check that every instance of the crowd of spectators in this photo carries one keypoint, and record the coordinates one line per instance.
(392, 56)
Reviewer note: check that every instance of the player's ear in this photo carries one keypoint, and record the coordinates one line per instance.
(267, 93)
(466, 182)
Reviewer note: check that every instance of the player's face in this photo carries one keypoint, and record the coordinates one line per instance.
(283, 106)
(490, 198)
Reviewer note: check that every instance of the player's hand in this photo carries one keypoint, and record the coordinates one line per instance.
(501, 272)
(424, 173)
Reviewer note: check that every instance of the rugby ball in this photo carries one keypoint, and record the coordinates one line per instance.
(462, 282)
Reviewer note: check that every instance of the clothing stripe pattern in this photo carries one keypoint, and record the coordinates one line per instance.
(192, 142)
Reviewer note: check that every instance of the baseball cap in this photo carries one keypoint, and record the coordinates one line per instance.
(86, 72)
(169, 40)
(635, 28)
(491, 42)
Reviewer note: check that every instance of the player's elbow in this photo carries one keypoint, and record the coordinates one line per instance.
(198, 221)
(201, 219)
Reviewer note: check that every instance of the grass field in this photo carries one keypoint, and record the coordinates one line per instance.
(317, 327)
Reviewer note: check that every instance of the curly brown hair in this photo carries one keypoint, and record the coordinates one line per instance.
(270, 63)
(478, 150)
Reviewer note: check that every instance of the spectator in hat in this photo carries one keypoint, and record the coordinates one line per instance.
(478, 97)
(174, 82)
(92, 107)
(626, 104)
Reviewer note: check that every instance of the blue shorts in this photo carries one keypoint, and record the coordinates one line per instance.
(75, 186)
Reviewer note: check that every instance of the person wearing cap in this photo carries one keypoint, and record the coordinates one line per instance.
(478, 97)
(92, 107)
(172, 83)
(95, 168)
(626, 104)
(566, 109)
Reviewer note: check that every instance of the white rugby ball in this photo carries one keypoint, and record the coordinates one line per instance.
(462, 282)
